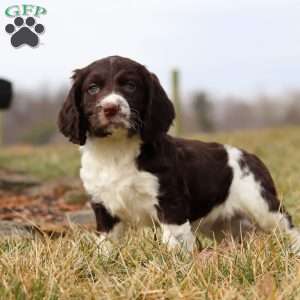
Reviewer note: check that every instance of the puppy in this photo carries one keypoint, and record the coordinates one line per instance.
(135, 172)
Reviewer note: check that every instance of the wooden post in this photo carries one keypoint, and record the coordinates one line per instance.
(1, 128)
(176, 100)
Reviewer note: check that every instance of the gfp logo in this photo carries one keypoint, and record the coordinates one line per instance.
(25, 29)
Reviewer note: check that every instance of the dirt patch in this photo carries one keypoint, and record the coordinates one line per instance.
(26, 200)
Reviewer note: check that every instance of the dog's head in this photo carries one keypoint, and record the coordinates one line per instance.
(111, 93)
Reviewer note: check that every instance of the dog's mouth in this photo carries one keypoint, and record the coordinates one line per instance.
(118, 121)
(102, 126)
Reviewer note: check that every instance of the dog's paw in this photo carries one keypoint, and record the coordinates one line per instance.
(104, 245)
(178, 236)
(295, 241)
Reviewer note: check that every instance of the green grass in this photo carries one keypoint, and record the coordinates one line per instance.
(74, 267)
(42, 162)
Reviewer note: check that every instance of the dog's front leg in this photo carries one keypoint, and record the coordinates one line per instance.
(172, 213)
(110, 229)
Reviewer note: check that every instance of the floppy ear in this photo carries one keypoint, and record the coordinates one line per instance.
(71, 121)
(160, 111)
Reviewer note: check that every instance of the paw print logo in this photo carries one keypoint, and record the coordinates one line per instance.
(24, 34)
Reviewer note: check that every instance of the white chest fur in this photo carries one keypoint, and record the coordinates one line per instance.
(110, 176)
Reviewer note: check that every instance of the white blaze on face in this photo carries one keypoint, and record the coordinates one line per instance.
(124, 113)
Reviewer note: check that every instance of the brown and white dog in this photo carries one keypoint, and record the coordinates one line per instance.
(136, 173)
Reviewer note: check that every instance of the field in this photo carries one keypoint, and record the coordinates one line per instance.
(74, 267)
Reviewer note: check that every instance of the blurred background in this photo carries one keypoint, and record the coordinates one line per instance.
(232, 69)
(236, 63)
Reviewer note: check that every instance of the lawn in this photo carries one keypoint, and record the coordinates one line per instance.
(74, 267)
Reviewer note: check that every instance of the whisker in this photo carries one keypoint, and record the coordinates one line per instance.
(133, 125)
(135, 117)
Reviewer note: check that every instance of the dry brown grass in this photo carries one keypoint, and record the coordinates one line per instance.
(75, 267)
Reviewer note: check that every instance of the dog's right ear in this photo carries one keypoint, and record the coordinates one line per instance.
(71, 120)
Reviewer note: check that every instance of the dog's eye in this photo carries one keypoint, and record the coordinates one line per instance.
(93, 89)
(129, 86)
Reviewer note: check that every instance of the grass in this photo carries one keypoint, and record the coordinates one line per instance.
(42, 162)
(74, 267)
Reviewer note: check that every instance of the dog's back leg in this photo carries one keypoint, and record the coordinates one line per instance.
(270, 219)
(253, 193)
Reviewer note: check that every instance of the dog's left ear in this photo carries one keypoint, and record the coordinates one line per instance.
(160, 110)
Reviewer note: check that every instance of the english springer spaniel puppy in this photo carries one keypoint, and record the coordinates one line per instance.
(135, 172)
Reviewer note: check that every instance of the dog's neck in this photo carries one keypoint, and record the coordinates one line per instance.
(115, 148)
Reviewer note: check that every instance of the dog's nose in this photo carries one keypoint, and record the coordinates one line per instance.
(110, 109)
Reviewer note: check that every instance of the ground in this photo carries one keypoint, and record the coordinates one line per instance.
(71, 265)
